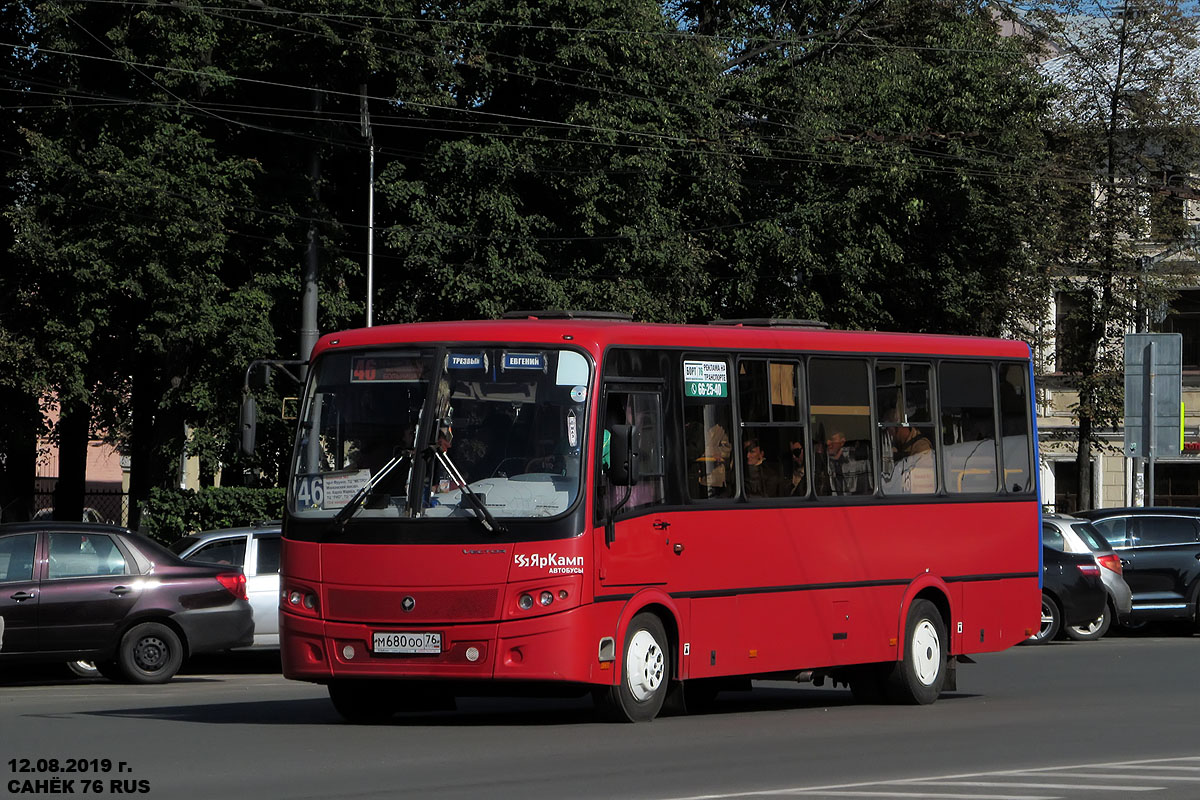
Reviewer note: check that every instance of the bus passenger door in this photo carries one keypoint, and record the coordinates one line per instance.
(634, 540)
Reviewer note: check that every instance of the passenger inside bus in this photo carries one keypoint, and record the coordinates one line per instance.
(763, 478)
(912, 457)
(848, 468)
(799, 478)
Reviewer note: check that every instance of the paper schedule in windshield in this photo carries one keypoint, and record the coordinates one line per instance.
(331, 489)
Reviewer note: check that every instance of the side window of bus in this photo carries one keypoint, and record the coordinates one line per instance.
(770, 394)
(968, 427)
(907, 450)
(708, 427)
(1016, 444)
(840, 426)
(642, 410)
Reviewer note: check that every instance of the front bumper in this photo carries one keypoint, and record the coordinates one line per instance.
(554, 647)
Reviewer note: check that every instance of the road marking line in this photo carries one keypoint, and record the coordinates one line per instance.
(840, 788)
(1066, 786)
(1149, 766)
(1178, 778)
(938, 796)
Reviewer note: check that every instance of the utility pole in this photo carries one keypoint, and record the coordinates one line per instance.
(366, 132)
(309, 331)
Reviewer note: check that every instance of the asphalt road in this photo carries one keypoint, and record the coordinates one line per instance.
(1114, 719)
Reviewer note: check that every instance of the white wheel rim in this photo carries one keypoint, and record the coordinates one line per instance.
(1091, 627)
(645, 666)
(926, 652)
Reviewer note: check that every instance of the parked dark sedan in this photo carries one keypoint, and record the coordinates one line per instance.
(1072, 592)
(75, 590)
(1160, 559)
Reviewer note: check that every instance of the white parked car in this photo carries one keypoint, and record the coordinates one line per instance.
(256, 550)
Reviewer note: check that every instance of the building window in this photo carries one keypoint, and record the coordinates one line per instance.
(1176, 484)
(1184, 318)
(1068, 332)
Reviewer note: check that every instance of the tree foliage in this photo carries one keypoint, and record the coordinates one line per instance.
(1127, 138)
(876, 163)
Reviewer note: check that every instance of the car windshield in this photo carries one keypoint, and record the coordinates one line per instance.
(1092, 537)
(412, 433)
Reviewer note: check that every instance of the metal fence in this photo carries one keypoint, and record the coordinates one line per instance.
(98, 506)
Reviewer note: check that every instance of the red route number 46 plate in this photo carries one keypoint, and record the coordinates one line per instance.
(406, 642)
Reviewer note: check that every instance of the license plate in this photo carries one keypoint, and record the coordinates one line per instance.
(406, 642)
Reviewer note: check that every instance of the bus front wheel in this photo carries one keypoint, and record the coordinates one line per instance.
(918, 677)
(645, 672)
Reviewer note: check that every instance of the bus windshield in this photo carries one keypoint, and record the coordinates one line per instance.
(413, 433)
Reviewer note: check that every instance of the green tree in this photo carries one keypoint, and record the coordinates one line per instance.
(575, 158)
(122, 230)
(892, 165)
(1128, 135)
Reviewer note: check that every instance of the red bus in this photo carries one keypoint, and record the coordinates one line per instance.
(571, 502)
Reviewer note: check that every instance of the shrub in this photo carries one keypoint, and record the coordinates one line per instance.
(173, 513)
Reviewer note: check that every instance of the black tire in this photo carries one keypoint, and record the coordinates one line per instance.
(363, 702)
(1051, 622)
(83, 669)
(149, 653)
(918, 677)
(1093, 630)
(644, 673)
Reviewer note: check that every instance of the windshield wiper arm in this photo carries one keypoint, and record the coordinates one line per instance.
(484, 516)
(367, 489)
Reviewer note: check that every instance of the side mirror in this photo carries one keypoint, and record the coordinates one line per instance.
(249, 419)
(623, 469)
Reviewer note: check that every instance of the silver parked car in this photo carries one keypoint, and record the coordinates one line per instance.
(256, 550)
(1075, 535)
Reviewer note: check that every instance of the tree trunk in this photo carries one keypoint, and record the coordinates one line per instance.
(74, 427)
(1083, 461)
(18, 443)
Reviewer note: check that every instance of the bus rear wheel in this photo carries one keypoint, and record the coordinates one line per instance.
(918, 677)
(645, 672)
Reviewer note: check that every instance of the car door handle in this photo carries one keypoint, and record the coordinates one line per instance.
(120, 590)
(19, 596)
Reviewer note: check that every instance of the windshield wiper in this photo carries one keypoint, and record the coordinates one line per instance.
(484, 516)
(367, 489)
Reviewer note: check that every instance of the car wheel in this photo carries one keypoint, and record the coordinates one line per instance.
(1051, 622)
(83, 669)
(645, 672)
(363, 702)
(150, 653)
(918, 677)
(1092, 630)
